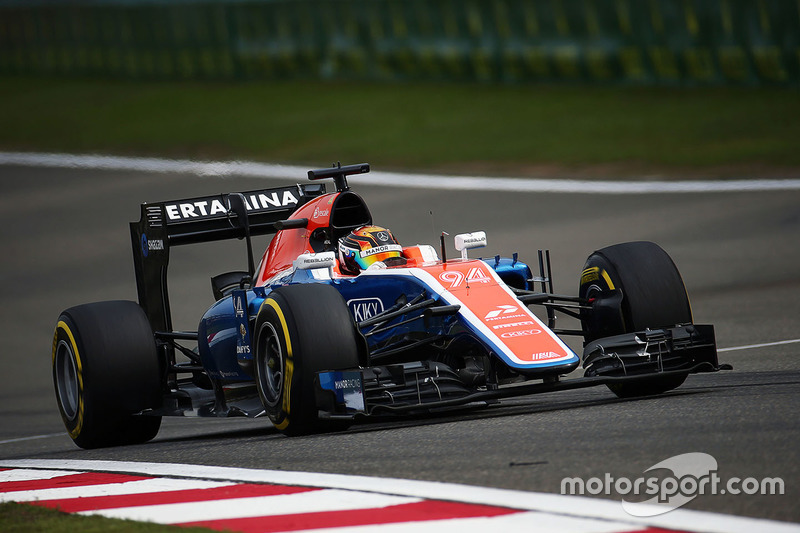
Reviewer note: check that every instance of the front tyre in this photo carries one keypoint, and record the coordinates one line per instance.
(301, 330)
(653, 296)
(105, 369)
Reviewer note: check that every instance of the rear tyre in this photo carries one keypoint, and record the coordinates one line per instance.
(653, 296)
(105, 369)
(301, 330)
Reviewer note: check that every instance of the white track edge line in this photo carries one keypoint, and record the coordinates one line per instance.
(576, 506)
(762, 345)
(392, 179)
(33, 437)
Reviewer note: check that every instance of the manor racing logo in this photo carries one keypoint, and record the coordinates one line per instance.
(381, 249)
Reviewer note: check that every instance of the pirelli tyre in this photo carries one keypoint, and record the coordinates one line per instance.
(105, 370)
(299, 331)
(652, 295)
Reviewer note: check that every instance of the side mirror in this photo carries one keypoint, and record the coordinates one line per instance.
(312, 261)
(468, 241)
(326, 260)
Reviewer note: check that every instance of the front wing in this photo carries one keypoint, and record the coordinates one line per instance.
(427, 385)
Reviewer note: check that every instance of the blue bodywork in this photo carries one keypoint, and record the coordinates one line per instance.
(226, 357)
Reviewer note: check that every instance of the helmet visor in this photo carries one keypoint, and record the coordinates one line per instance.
(370, 256)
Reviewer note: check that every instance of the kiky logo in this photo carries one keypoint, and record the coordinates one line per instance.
(364, 308)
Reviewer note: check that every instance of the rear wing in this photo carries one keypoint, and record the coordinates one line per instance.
(163, 225)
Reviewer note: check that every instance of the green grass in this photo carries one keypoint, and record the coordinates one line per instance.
(25, 518)
(503, 129)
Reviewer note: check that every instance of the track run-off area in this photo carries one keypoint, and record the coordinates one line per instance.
(394, 179)
(65, 239)
(237, 499)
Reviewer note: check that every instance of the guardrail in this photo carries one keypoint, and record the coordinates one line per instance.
(677, 42)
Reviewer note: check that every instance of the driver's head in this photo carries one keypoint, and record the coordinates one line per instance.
(367, 246)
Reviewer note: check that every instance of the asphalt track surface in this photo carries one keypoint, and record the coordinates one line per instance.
(65, 240)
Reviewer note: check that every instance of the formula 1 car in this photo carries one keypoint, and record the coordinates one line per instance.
(300, 341)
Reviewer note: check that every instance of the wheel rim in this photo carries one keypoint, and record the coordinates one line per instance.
(67, 380)
(270, 364)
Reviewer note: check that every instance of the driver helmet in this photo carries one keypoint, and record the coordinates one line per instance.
(369, 246)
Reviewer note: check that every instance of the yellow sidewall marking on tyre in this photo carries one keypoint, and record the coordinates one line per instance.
(594, 273)
(589, 275)
(608, 280)
(289, 370)
(62, 325)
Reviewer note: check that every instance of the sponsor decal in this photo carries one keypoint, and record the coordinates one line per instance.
(514, 324)
(214, 206)
(501, 310)
(238, 307)
(466, 241)
(149, 245)
(382, 249)
(505, 317)
(382, 236)
(320, 212)
(315, 260)
(521, 333)
(347, 384)
(240, 311)
(347, 387)
(364, 308)
(543, 356)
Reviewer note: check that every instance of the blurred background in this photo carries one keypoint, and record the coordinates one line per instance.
(519, 87)
(590, 89)
(669, 42)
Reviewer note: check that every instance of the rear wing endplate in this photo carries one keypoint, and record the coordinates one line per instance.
(195, 220)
